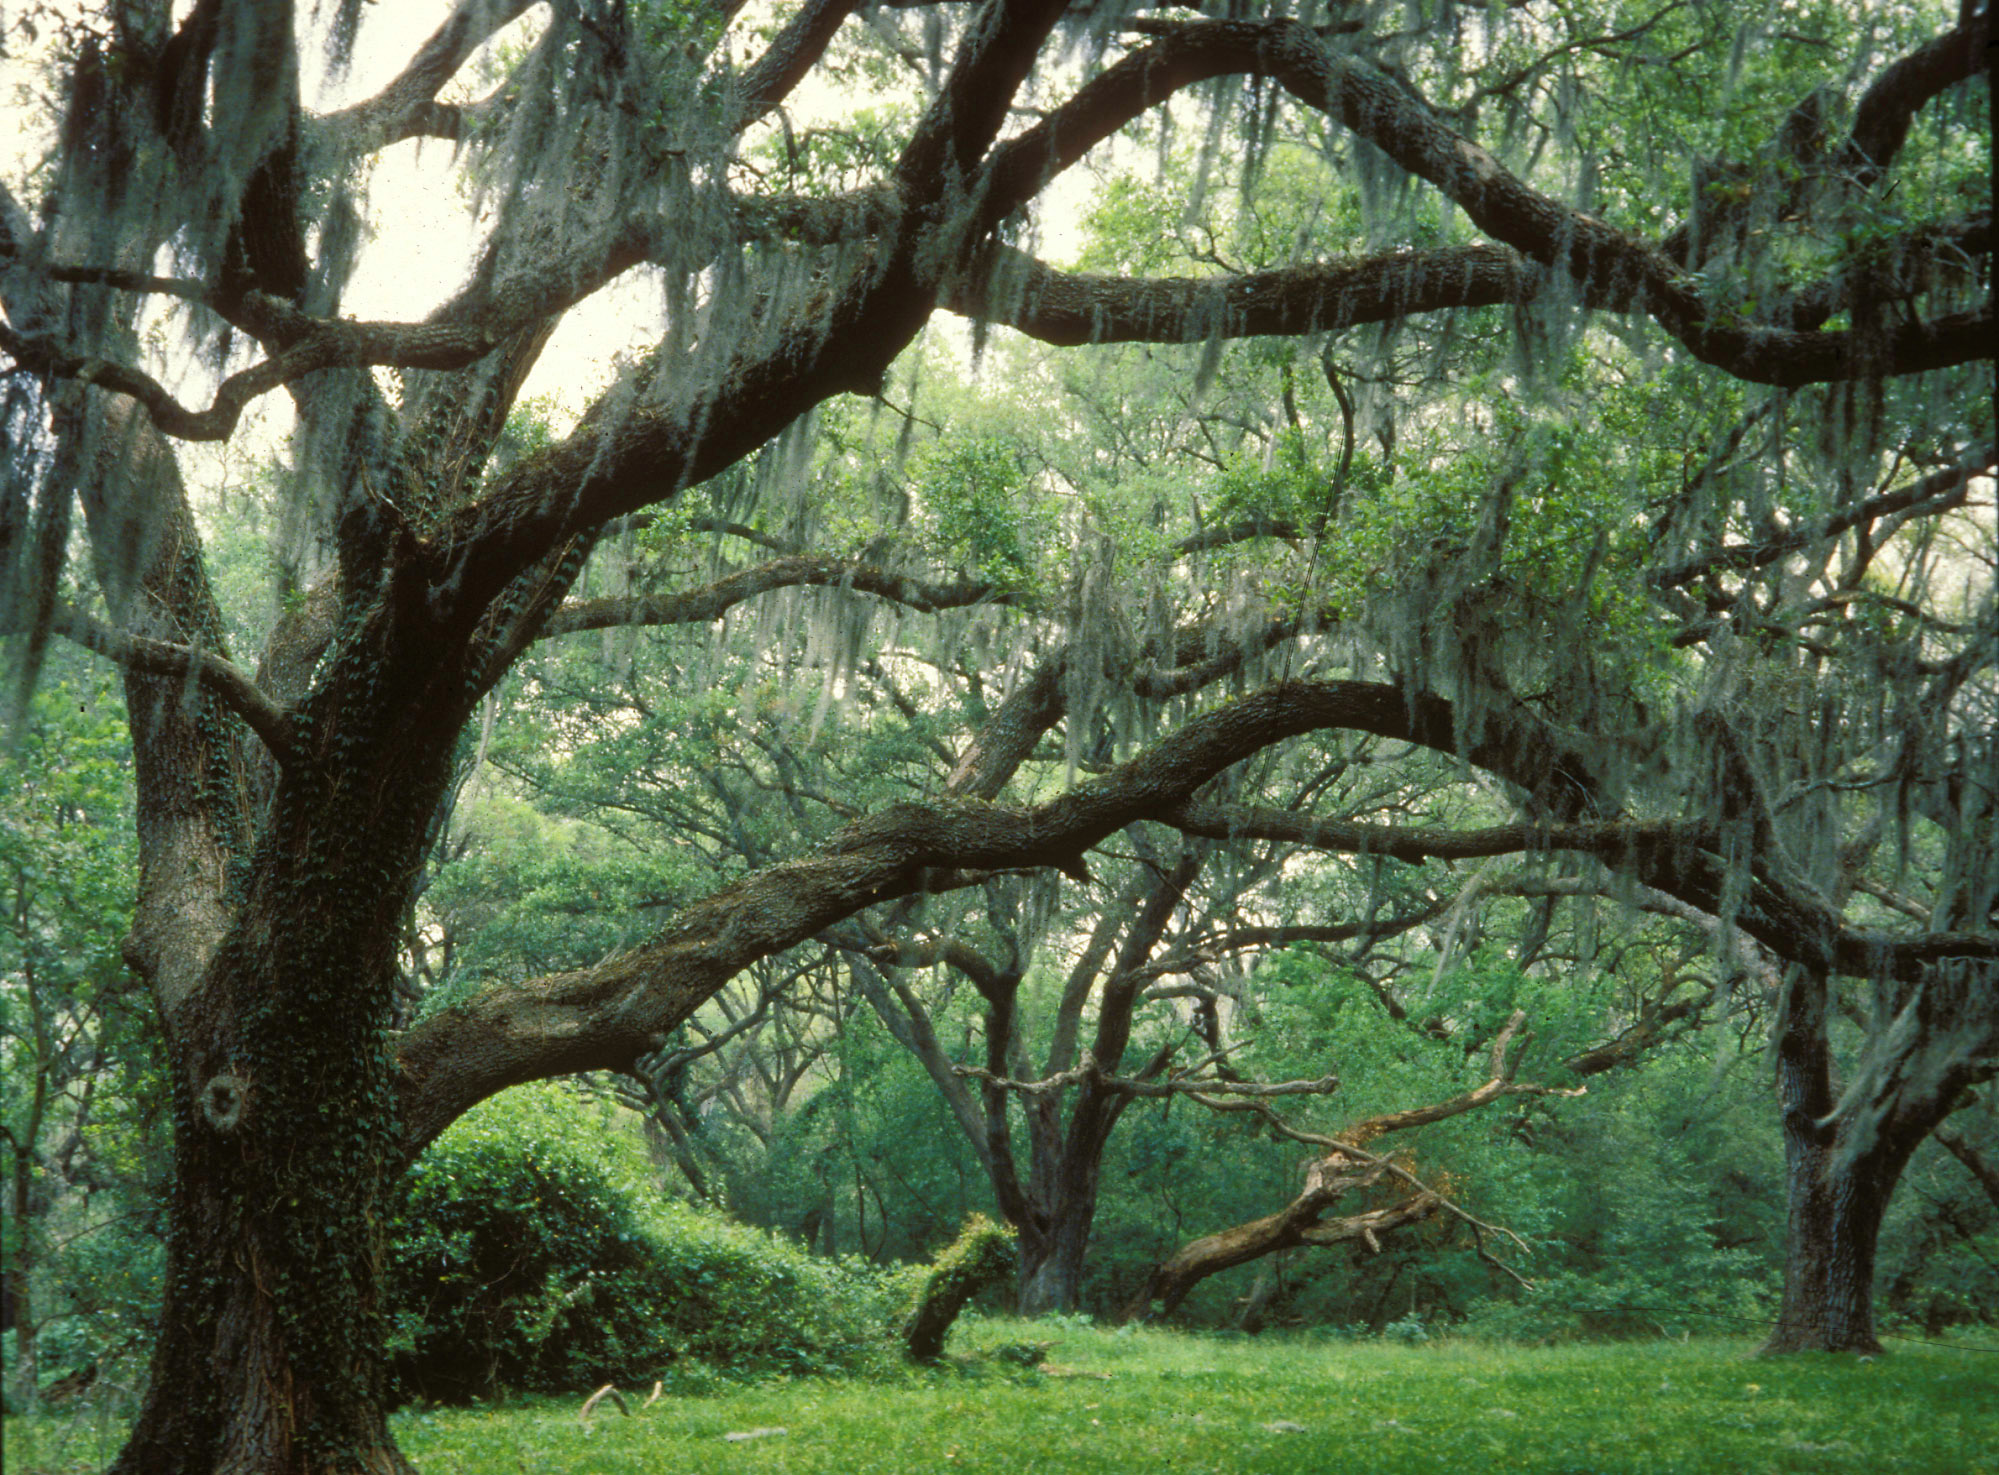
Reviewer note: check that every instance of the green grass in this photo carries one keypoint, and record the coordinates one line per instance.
(1146, 1401)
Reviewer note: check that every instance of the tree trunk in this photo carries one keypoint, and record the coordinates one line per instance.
(1829, 1248)
(1051, 1262)
(259, 1366)
(17, 1290)
(270, 1354)
(1839, 1176)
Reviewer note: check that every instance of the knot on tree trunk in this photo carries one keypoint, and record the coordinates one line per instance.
(223, 1101)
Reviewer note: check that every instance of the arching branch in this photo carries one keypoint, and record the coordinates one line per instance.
(408, 106)
(712, 601)
(1612, 270)
(234, 687)
(1889, 106)
(606, 1017)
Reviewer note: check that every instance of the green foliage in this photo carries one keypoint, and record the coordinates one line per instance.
(980, 505)
(531, 893)
(81, 1083)
(530, 1249)
(984, 1254)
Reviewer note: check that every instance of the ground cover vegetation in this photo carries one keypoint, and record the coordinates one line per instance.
(1109, 1401)
(1315, 757)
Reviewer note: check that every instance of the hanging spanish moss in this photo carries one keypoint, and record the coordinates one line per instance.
(1554, 444)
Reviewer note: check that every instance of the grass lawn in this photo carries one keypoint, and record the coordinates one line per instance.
(1109, 1401)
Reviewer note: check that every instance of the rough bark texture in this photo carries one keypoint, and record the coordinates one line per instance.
(1840, 1173)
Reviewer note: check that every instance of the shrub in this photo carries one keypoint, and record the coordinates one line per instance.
(531, 1250)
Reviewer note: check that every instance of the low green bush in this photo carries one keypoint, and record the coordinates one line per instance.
(531, 1250)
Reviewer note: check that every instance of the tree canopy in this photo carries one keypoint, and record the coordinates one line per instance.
(1551, 431)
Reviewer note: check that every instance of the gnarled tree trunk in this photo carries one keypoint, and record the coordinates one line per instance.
(287, 1136)
(1052, 1257)
(1836, 1197)
(1844, 1152)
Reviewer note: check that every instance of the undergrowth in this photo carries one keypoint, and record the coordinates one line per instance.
(1114, 1401)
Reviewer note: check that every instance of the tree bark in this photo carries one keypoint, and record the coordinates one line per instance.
(1297, 1223)
(1051, 1261)
(1840, 1172)
(270, 1357)
(232, 1387)
(273, 961)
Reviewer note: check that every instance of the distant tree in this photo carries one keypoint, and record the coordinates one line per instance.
(81, 1126)
(1731, 635)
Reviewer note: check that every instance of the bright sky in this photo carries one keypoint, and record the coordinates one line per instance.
(425, 232)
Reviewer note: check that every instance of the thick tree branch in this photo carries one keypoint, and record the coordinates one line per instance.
(1889, 106)
(712, 601)
(234, 687)
(1416, 844)
(1677, 858)
(606, 1017)
(1612, 270)
(1607, 264)
(1067, 309)
(793, 52)
(408, 106)
(909, 952)
(992, 61)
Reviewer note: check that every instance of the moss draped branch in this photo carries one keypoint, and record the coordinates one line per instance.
(607, 1017)
(234, 687)
(712, 601)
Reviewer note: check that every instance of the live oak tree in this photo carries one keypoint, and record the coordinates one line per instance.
(1756, 676)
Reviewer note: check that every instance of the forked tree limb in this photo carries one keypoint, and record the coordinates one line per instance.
(1534, 232)
(1089, 1073)
(234, 687)
(1344, 1166)
(606, 1017)
(402, 108)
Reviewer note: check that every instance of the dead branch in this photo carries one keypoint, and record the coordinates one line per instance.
(610, 1391)
(1090, 1073)
(1344, 1167)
